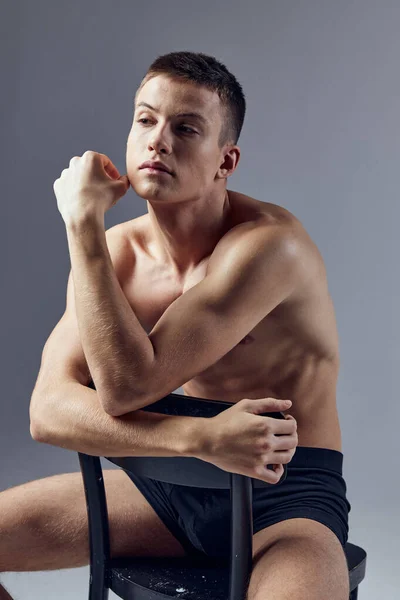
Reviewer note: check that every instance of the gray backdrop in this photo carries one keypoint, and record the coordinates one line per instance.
(321, 137)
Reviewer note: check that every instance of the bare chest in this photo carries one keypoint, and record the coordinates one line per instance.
(268, 361)
(291, 353)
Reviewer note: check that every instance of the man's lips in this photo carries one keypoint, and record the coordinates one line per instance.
(155, 166)
(155, 170)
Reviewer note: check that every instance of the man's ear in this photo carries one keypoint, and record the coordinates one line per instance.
(230, 162)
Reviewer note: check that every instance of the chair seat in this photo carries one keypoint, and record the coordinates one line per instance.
(356, 561)
(195, 578)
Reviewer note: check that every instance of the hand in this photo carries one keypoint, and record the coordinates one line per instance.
(242, 441)
(89, 187)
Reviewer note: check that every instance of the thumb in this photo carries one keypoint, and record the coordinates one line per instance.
(262, 405)
(124, 180)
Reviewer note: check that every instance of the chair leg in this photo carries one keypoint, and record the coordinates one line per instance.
(354, 594)
(99, 537)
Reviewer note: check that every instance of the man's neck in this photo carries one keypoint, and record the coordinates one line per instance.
(185, 234)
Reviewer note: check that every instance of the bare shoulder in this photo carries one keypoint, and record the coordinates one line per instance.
(309, 309)
(274, 241)
(274, 228)
(292, 226)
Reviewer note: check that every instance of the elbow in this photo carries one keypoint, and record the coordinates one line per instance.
(119, 409)
(37, 411)
(36, 428)
(114, 410)
(124, 404)
(119, 399)
(36, 432)
(113, 405)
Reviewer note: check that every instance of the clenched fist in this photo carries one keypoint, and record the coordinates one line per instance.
(241, 440)
(89, 187)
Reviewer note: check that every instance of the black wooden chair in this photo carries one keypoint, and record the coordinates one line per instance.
(142, 578)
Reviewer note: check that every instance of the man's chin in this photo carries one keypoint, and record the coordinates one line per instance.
(153, 192)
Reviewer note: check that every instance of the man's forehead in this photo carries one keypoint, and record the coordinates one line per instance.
(179, 96)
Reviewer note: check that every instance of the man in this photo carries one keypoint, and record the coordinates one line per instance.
(211, 290)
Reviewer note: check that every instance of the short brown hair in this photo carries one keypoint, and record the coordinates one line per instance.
(208, 71)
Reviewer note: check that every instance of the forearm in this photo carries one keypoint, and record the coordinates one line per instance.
(117, 348)
(73, 418)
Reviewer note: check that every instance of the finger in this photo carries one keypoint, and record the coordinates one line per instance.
(108, 162)
(278, 470)
(112, 170)
(266, 475)
(273, 475)
(125, 180)
(264, 405)
(284, 458)
(281, 426)
(108, 166)
(285, 442)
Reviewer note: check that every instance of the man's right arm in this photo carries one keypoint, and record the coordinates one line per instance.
(65, 412)
(72, 417)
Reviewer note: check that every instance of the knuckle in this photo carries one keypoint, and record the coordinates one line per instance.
(267, 444)
(267, 426)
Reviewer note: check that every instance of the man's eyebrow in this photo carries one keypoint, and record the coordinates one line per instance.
(186, 114)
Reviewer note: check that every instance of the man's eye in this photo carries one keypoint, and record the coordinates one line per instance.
(187, 129)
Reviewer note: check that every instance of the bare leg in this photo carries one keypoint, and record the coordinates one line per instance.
(43, 524)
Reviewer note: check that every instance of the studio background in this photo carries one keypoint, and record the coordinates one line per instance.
(321, 137)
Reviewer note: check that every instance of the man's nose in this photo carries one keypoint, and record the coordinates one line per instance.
(159, 143)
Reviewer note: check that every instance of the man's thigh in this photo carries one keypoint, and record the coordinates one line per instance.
(300, 559)
(44, 525)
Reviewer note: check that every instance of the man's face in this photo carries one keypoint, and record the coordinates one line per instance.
(187, 145)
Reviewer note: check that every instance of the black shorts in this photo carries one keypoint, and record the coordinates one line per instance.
(200, 518)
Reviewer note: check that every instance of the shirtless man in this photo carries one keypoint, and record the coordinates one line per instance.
(212, 290)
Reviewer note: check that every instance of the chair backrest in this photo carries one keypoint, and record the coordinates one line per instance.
(183, 470)
(192, 472)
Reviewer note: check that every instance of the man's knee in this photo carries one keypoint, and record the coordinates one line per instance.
(309, 563)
